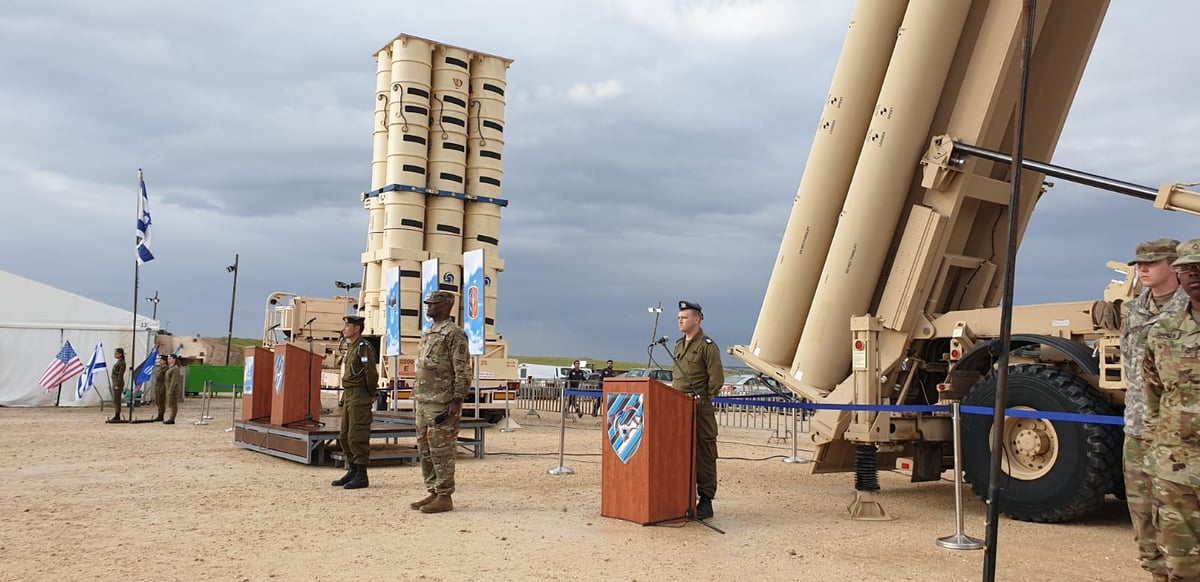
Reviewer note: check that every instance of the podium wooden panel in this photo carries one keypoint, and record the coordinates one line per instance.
(655, 482)
(257, 383)
(296, 385)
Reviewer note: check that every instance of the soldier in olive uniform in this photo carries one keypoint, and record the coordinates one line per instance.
(1171, 373)
(159, 379)
(117, 383)
(174, 378)
(698, 370)
(360, 379)
(443, 380)
(1160, 299)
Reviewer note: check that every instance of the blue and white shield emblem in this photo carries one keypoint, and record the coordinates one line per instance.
(623, 415)
(278, 373)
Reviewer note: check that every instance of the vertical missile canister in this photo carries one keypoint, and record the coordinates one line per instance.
(838, 141)
(898, 133)
(447, 151)
(485, 131)
(408, 133)
(369, 295)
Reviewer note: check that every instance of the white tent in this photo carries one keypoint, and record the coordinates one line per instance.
(35, 320)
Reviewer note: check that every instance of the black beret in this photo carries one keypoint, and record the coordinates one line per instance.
(356, 320)
(690, 305)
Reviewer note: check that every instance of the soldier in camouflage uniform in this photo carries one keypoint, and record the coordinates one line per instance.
(159, 379)
(118, 383)
(698, 369)
(360, 380)
(443, 380)
(1171, 373)
(1160, 298)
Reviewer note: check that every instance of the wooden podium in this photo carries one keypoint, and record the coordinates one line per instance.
(296, 384)
(647, 472)
(257, 383)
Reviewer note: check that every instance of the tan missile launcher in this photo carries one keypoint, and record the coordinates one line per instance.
(888, 277)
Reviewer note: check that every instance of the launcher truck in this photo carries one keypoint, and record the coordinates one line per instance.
(888, 278)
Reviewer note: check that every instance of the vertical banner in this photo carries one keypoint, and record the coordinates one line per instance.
(391, 346)
(429, 284)
(248, 376)
(472, 300)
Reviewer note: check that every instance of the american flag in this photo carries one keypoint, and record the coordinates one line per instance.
(66, 365)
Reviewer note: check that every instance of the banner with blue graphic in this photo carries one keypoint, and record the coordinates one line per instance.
(472, 300)
(248, 376)
(391, 345)
(429, 284)
(278, 373)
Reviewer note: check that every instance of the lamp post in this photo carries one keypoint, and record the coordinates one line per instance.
(347, 287)
(657, 311)
(232, 302)
(154, 300)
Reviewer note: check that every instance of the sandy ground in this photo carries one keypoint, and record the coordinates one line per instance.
(83, 500)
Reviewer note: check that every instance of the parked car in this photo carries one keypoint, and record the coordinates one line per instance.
(660, 374)
(745, 385)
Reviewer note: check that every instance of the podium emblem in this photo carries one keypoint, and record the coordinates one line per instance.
(623, 415)
(278, 373)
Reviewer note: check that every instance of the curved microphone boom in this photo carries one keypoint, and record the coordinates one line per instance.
(662, 340)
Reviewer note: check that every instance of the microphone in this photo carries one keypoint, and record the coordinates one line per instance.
(662, 340)
(310, 322)
(274, 327)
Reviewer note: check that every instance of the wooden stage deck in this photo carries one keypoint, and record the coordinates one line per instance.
(314, 444)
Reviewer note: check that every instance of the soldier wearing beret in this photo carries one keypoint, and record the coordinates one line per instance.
(159, 380)
(1171, 374)
(360, 379)
(1161, 297)
(118, 383)
(443, 380)
(698, 370)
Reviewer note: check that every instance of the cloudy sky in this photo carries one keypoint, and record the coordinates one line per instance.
(653, 151)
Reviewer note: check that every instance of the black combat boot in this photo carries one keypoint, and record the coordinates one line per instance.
(115, 419)
(359, 480)
(351, 471)
(704, 509)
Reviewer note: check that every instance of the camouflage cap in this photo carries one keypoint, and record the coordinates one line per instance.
(1155, 250)
(439, 297)
(1189, 253)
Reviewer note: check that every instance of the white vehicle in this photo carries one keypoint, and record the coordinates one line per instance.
(547, 372)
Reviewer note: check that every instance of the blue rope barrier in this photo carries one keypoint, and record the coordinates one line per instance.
(979, 410)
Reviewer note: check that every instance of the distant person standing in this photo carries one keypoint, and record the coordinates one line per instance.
(360, 380)
(698, 370)
(443, 381)
(117, 383)
(1171, 373)
(159, 379)
(174, 377)
(575, 376)
(1161, 298)
(607, 372)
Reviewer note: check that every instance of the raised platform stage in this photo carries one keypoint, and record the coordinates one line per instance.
(311, 444)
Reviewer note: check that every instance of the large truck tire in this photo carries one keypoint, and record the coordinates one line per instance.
(1054, 471)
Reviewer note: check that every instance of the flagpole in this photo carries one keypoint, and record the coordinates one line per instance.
(58, 397)
(137, 265)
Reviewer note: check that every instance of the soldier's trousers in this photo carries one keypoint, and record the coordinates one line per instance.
(436, 443)
(1178, 513)
(355, 434)
(1139, 494)
(172, 403)
(706, 449)
(160, 397)
(116, 398)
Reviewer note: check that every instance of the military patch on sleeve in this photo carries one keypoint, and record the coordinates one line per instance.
(707, 340)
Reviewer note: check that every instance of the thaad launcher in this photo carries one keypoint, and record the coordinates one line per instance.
(890, 269)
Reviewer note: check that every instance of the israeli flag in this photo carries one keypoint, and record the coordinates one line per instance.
(145, 253)
(95, 364)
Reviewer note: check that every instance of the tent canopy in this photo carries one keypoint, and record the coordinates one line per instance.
(35, 320)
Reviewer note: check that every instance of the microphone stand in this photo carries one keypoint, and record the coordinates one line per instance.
(690, 513)
(308, 417)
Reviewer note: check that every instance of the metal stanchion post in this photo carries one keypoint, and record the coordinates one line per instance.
(795, 458)
(960, 540)
(562, 435)
(205, 399)
(233, 409)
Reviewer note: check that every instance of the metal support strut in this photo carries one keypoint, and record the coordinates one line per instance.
(865, 506)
